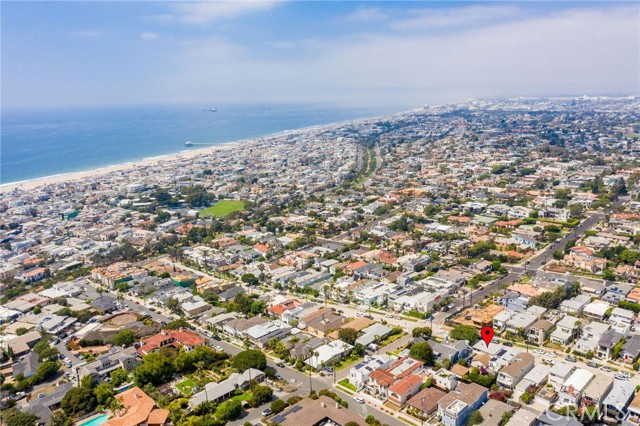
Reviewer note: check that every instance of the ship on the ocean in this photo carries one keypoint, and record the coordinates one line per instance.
(188, 143)
(211, 109)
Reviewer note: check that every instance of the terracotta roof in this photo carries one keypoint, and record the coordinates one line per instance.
(284, 306)
(382, 377)
(403, 386)
(138, 407)
(356, 265)
(158, 416)
(182, 337)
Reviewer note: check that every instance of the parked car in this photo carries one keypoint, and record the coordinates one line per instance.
(619, 376)
(592, 364)
(358, 399)
(279, 377)
(266, 412)
(538, 351)
(552, 354)
(509, 344)
(218, 348)
(280, 364)
(570, 358)
(605, 368)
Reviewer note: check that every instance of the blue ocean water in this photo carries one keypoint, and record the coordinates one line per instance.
(43, 143)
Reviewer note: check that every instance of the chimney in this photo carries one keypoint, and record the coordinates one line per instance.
(323, 405)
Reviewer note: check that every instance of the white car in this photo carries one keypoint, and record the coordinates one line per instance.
(619, 376)
(358, 400)
(605, 368)
(218, 348)
(266, 412)
(552, 355)
(538, 351)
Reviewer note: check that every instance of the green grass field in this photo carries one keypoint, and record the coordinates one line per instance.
(186, 387)
(223, 208)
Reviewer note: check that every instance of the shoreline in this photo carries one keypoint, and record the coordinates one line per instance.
(105, 170)
(44, 181)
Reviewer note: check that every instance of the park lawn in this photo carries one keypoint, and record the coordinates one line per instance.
(223, 208)
(186, 387)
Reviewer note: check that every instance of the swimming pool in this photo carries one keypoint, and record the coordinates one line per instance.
(96, 421)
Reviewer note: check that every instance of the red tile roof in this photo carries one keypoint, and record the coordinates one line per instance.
(168, 337)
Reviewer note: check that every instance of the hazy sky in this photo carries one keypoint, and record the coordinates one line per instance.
(356, 53)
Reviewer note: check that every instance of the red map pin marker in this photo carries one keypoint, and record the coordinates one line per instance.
(487, 335)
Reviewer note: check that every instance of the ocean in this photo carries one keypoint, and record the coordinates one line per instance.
(36, 144)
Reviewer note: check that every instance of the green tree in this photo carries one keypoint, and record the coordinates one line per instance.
(348, 335)
(177, 324)
(18, 418)
(277, 406)
(21, 330)
(424, 332)
(423, 352)
(475, 418)
(260, 395)
(104, 394)
(119, 377)
(250, 279)
(250, 359)
(78, 401)
(124, 338)
(465, 332)
(229, 410)
(59, 418)
(156, 368)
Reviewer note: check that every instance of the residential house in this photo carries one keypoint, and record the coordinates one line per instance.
(550, 418)
(631, 349)
(100, 368)
(534, 379)
(539, 331)
(596, 391)
(576, 304)
(445, 379)
(590, 337)
(426, 401)
(510, 375)
(381, 379)
(219, 392)
(138, 409)
(454, 408)
(186, 339)
(572, 389)
(329, 353)
(607, 342)
(323, 321)
(359, 374)
(260, 334)
(404, 389)
(616, 402)
(566, 330)
(559, 373)
(632, 418)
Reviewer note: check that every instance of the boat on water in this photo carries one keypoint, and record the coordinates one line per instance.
(188, 143)
(211, 109)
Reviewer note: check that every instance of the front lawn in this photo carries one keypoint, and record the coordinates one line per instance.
(243, 397)
(223, 208)
(345, 382)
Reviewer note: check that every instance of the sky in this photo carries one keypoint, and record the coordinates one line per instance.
(90, 53)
